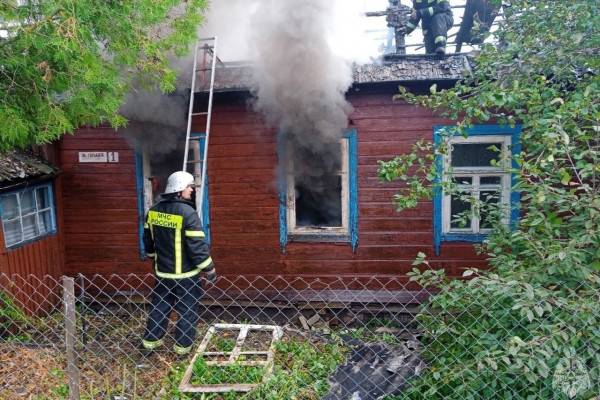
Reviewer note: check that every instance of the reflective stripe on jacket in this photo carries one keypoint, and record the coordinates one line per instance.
(174, 238)
(425, 10)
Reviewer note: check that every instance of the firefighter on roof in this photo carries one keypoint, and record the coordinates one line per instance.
(173, 238)
(436, 19)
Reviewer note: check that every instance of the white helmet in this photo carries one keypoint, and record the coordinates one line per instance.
(178, 181)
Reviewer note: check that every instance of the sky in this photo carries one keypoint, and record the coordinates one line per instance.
(353, 36)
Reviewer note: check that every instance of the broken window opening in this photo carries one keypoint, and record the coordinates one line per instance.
(317, 205)
(155, 167)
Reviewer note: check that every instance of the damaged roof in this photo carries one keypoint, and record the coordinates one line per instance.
(17, 165)
(233, 77)
(414, 69)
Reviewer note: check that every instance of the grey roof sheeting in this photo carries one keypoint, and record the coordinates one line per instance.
(16, 165)
(235, 77)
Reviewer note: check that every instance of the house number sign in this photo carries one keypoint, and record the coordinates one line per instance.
(98, 156)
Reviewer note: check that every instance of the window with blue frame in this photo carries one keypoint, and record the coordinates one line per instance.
(479, 164)
(27, 214)
(150, 170)
(328, 213)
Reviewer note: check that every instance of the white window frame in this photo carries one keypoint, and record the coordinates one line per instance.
(291, 201)
(476, 173)
(37, 211)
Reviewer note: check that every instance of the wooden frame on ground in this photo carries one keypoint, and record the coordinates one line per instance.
(233, 358)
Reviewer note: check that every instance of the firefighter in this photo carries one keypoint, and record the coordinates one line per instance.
(436, 19)
(173, 238)
(476, 22)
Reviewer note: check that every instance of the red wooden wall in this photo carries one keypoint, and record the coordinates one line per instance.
(100, 206)
(244, 200)
(100, 202)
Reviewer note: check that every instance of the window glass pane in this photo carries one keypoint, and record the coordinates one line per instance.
(12, 233)
(10, 206)
(490, 212)
(45, 219)
(463, 180)
(475, 154)
(490, 180)
(43, 197)
(319, 202)
(27, 202)
(30, 229)
(460, 213)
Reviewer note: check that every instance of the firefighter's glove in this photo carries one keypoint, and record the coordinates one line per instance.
(211, 275)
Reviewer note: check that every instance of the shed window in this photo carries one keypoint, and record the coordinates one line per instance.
(323, 208)
(27, 214)
(480, 168)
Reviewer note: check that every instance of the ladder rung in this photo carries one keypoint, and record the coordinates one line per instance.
(195, 162)
(203, 69)
(200, 113)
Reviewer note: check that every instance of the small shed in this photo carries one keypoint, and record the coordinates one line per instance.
(31, 247)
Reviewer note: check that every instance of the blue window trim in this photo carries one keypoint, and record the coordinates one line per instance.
(205, 202)
(139, 183)
(352, 137)
(515, 196)
(139, 188)
(52, 231)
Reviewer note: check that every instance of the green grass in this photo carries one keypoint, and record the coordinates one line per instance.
(235, 373)
(220, 343)
(300, 371)
(10, 311)
(13, 320)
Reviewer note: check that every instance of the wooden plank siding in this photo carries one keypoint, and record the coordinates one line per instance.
(244, 199)
(100, 206)
(100, 203)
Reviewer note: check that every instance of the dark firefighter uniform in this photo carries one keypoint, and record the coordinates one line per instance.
(173, 237)
(436, 17)
(476, 22)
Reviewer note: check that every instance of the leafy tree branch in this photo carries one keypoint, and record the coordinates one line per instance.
(66, 63)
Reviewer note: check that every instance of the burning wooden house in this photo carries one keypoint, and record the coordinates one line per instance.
(289, 192)
(260, 221)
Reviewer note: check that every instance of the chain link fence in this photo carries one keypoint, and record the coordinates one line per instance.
(263, 338)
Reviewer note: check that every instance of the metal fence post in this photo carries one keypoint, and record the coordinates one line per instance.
(70, 319)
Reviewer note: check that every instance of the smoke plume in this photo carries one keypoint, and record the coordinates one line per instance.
(301, 85)
(157, 122)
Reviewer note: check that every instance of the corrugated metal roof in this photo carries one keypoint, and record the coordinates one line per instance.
(17, 165)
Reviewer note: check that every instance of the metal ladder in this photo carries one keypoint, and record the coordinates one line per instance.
(209, 48)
